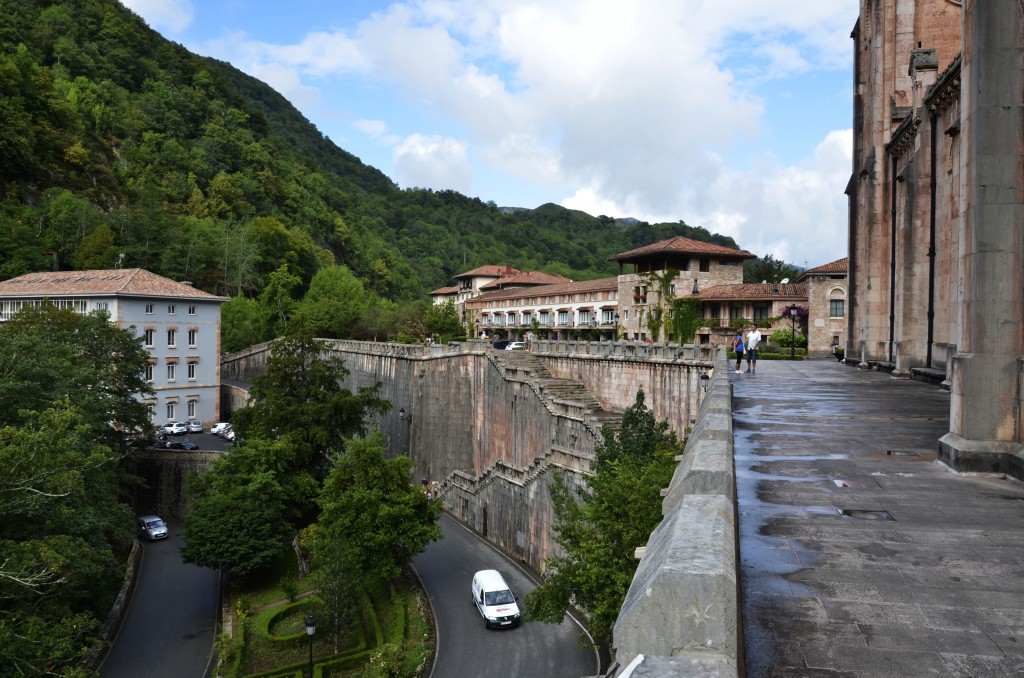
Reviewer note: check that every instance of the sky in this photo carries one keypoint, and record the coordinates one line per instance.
(734, 115)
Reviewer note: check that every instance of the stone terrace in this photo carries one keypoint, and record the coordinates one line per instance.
(923, 575)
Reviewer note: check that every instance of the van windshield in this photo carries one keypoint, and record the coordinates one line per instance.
(498, 597)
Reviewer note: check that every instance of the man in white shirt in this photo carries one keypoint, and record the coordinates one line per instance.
(753, 339)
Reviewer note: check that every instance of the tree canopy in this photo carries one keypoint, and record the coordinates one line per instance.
(600, 526)
(67, 385)
(371, 509)
(298, 418)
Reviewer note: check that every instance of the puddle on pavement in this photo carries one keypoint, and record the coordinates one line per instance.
(865, 514)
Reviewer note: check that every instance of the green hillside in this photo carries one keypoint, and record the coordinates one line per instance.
(122, 149)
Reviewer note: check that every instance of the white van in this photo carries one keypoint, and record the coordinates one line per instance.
(494, 600)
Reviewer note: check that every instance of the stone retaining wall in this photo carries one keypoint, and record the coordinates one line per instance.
(681, 614)
(486, 433)
(165, 478)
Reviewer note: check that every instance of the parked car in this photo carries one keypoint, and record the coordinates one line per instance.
(194, 426)
(516, 346)
(500, 344)
(182, 445)
(151, 528)
(219, 428)
(175, 428)
(229, 434)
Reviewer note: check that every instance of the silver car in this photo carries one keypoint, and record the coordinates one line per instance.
(151, 528)
(194, 426)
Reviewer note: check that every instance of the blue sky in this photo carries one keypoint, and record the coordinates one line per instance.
(733, 115)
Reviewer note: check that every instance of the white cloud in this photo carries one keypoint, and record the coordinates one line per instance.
(626, 109)
(173, 16)
(432, 162)
(374, 129)
(796, 214)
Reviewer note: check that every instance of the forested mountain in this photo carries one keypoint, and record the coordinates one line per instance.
(119, 148)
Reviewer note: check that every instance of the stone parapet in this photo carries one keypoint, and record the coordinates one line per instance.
(681, 614)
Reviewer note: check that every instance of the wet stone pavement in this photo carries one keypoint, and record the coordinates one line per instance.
(861, 555)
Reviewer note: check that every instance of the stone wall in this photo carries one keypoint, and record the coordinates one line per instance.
(489, 432)
(614, 371)
(902, 48)
(232, 399)
(681, 615)
(822, 327)
(165, 477)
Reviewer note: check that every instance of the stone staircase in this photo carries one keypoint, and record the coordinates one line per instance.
(527, 367)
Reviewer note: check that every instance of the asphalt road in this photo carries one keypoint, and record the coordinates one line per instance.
(170, 626)
(465, 649)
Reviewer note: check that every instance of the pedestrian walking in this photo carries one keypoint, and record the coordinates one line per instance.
(737, 345)
(753, 341)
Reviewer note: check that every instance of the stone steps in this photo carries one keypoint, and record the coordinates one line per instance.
(556, 388)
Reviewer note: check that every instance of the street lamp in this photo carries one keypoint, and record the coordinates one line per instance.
(704, 379)
(310, 630)
(792, 343)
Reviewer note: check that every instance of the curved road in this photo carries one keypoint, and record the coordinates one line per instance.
(465, 649)
(170, 626)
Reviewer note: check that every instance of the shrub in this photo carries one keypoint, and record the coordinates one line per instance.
(787, 338)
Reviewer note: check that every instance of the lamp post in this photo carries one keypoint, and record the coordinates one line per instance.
(704, 379)
(310, 630)
(792, 343)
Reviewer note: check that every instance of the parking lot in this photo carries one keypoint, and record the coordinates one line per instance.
(206, 441)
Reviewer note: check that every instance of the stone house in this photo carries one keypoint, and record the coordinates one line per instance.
(179, 325)
(697, 265)
(826, 291)
(767, 305)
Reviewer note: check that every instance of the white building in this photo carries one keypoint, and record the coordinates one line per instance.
(180, 326)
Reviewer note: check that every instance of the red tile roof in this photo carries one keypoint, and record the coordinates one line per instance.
(837, 266)
(440, 291)
(681, 245)
(130, 282)
(753, 292)
(525, 280)
(489, 272)
(599, 285)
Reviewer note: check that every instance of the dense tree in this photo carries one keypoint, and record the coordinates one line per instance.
(300, 399)
(67, 393)
(243, 323)
(443, 322)
(245, 507)
(370, 508)
(297, 418)
(768, 269)
(600, 526)
(334, 304)
(48, 354)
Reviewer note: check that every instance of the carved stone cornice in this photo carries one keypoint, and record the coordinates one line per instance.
(945, 90)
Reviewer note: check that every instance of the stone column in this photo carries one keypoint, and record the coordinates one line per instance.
(984, 415)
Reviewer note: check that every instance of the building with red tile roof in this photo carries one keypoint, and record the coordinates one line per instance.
(179, 326)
